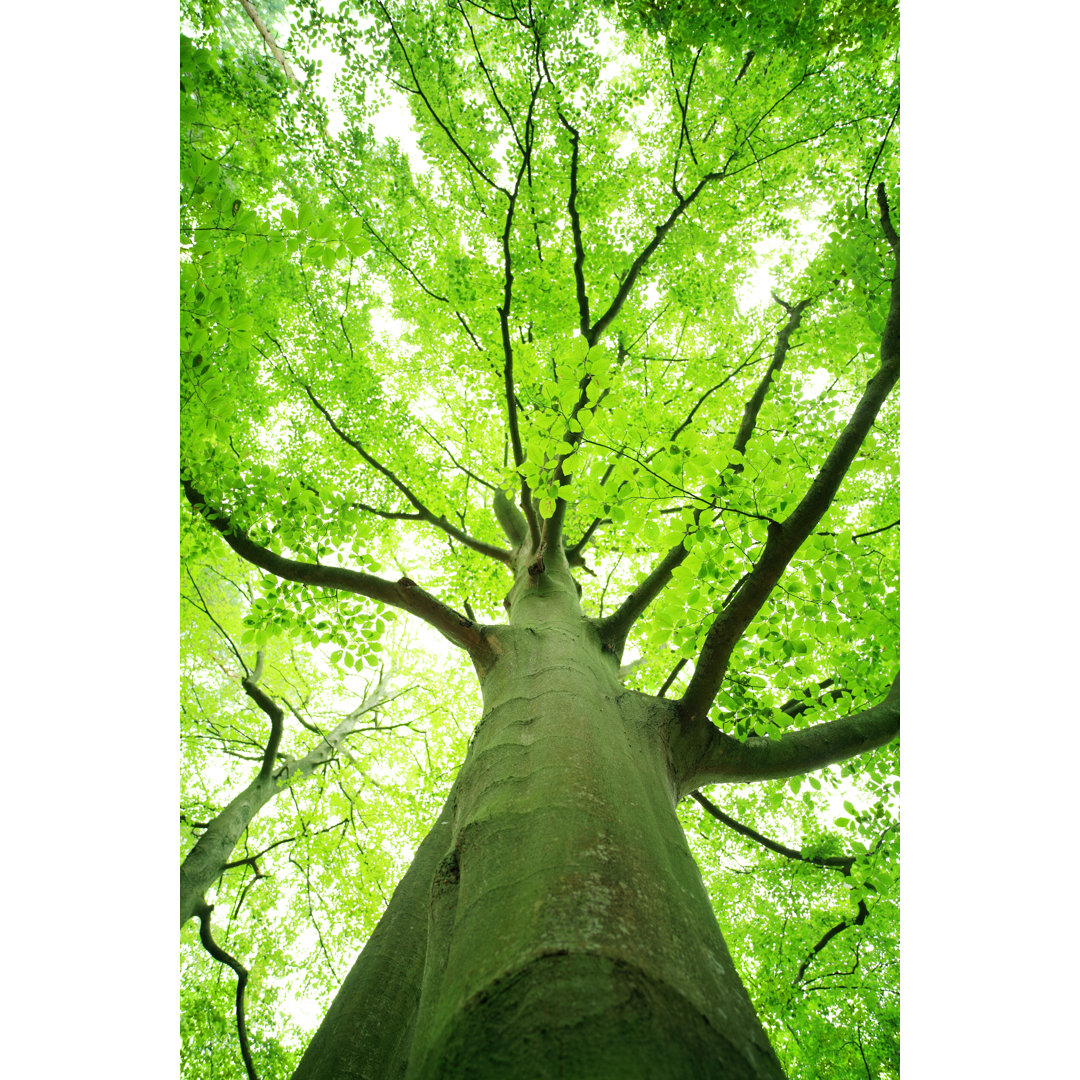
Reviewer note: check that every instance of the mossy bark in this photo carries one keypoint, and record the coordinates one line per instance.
(554, 923)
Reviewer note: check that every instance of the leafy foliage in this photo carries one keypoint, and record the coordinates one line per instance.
(584, 197)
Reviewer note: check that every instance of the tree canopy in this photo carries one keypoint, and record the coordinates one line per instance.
(628, 282)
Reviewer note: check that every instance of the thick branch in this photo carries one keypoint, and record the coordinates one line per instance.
(273, 711)
(504, 326)
(886, 220)
(575, 225)
(757, 399)
(222, 957)
(404, 593)
(574, 550)
(278, 55)
(638, 264)
(785, 539)
(746, 64)
(726, 760)
(511, 519)
(205, 862)
(616, 626)
(209, 857)
(305, 766)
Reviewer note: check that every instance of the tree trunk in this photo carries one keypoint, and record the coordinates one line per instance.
(206, 860)
(553, 923)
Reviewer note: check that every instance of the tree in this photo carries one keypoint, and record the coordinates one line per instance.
(512, 353)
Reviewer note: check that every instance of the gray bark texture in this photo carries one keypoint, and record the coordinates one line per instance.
(207, 860)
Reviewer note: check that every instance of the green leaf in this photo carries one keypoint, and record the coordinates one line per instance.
(253, 254)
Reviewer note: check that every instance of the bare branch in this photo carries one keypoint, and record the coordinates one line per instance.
(418, 89)
(202, 606)
(278, 55)
(404, 593)
(423, 288)
(575, 225)
(829, 934)
(835, 862)
(886, 220)
(504, 326)
(874, 532)
(712, 390)
(860, 536)
(616, 626)
(877, 158)
(325, 750)
(222, 957)
(785, 539)
(743, 69)
(723, 759)
(491, 84)
(684, 131)
(783, 343)
(439, 521)
(672, 677)
(457, 464)
(273, 711)
(659, 233)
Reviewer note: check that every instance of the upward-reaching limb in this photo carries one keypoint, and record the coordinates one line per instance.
(206, 861)
(785, 538)
(617, 625)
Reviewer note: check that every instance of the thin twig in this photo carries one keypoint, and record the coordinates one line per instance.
(222, 957)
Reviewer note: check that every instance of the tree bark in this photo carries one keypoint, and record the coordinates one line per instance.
(554, 922)
(205, 861)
